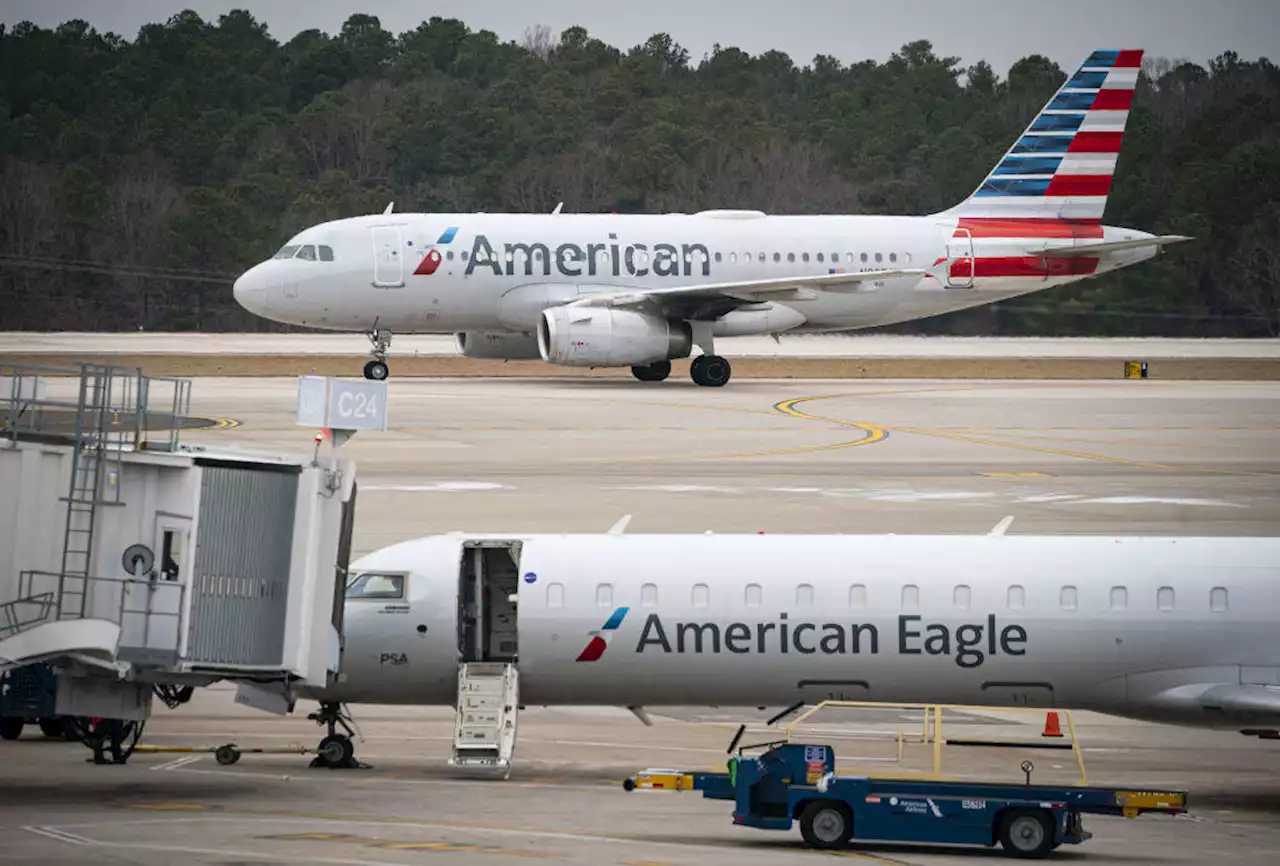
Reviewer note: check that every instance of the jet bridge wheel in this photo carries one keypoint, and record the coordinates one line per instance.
(655, 372)
(709, 371)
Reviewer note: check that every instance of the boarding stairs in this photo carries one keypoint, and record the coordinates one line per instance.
(484, 731)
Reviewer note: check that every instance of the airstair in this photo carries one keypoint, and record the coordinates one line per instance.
(484, 731)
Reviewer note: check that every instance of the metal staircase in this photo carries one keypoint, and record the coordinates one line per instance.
(484, 732)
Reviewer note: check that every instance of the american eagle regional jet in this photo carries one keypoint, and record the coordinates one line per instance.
(614, 290)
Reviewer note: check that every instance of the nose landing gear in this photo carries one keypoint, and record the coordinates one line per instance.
(377, 368)
(336, 751)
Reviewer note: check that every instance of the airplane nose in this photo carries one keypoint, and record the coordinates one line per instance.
(250, 290)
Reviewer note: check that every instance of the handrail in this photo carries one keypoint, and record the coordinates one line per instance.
(79, 587)
(933, 714)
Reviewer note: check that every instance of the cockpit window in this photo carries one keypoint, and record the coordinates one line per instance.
(308, 253)
(286, 252)
(376, 586)
(326, 254)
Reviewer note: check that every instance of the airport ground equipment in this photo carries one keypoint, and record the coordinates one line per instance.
(138, 566)
(28, 696)
(484, 733)
(227, 754)
(794, 781)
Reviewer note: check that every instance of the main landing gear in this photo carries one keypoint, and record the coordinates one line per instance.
(709, 371)
(655, 372)
(377, 368)
(336, 751)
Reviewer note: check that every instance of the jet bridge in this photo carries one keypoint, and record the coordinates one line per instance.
(136, 565)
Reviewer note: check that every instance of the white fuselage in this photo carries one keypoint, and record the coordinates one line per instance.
(1141, 627)
(497, 272)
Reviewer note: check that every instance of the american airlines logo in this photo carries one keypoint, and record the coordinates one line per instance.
(576, 260)
(600, 639)
(970, 645)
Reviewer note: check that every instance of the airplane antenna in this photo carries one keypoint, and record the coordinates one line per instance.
(620, 527)
(558, 206)
(390, 205)
(999, 528)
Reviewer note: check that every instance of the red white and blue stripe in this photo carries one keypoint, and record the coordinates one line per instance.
(1061, 167)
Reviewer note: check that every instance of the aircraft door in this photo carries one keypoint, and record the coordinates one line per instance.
(960, 267)
(388, 262)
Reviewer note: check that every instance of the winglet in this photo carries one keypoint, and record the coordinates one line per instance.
(390, 205)
(999, 528)
(621, 526)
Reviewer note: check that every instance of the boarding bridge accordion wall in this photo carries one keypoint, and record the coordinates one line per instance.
(240, 589)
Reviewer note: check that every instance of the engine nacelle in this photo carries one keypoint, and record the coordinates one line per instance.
(603, 337)
(505, 345)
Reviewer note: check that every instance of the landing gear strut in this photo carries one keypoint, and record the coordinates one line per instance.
(336, 751)
(119, 736)
(709, 371)
(377, 368)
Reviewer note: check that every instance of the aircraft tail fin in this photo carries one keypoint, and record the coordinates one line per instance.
(1061, 167)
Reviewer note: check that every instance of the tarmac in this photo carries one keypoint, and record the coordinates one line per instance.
(907, 456)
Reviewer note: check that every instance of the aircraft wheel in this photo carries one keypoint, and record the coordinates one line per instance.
(709, 371)
(11, 728)
(655, 372)
(376, 370)
(336, 750)
(826, 824)
(1026, 833)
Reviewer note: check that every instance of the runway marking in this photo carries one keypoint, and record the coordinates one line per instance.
(59, 835)
(177, 762)
(224, 423)
(1015, 474)
(470, 826)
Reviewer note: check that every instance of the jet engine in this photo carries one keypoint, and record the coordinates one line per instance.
(603, 337)
(507, 345)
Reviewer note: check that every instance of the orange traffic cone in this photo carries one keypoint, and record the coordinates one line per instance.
(1051, 728)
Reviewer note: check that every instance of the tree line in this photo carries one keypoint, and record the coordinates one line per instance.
(137, 178)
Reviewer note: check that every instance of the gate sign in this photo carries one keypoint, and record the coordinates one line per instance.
(342, 404)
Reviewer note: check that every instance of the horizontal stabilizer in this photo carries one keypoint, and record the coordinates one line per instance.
(1090, 250)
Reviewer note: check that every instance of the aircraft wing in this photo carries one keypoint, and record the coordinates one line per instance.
(1091, 250)
(1244, 699)
(689, 301)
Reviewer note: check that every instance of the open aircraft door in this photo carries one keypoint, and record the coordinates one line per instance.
(960, 266)
(388, 263)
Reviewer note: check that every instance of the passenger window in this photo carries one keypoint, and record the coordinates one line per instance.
(761, 258)
(733, 257)
(752, 595)
(849, 258)
(910, 597)
(893, 257)
(1218, 599)
(820, 257)
(1017, 597)
(804, 595)
(604, 595)
(858, 596)
(555, 595)
(1164, 598)
(864, 258)
(378, 586)
(835, 258)
(906, 258)
(1119, 598)
(804, 257)
(962, 597)
(777, 257)
(791, 257)
(701, 595)
(465, 254)
(449, 255)
(717, 257)
(326, 253)
(879, 258)
(649, 595)
(1067, 598)
(307, 253)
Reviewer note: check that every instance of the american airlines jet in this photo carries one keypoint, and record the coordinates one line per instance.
(1176, 630)
(611, 290)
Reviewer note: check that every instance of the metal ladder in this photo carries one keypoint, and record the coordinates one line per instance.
(484, 731)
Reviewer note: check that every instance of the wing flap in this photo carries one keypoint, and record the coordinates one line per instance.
(746, 291)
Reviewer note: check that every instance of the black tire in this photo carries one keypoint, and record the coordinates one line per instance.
(336, 750)
(655, 372)
(53, 728)
(710, 371)
(826, 824)
(376, 370)
(11, 727)
(1026, 833)
(226, 755)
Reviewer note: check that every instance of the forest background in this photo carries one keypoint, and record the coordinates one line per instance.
(138, 178)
